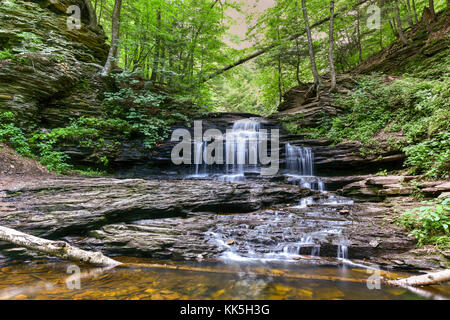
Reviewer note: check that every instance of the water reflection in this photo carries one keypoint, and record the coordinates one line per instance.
(207, 280)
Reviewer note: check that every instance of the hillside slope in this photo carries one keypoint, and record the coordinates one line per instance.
(392, 107)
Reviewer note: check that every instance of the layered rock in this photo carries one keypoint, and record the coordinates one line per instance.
(378, 188)
(50, 72)
(203, 219)
(72, 206)
(309, 107)
(346, 158)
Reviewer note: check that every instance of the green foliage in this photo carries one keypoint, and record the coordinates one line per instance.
(382, 173)
(53, 160)
(238, 91)
(431, 156)
(429, 224)
(418, 109)
(12, 134)
(7, 54)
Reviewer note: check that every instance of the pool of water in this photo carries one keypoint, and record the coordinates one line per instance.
(201, 280)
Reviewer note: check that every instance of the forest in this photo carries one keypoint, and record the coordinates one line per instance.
(92, 91)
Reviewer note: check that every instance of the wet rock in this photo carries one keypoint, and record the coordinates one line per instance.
(319, 229)
(346, 158)
(378, 188)
(70, 206)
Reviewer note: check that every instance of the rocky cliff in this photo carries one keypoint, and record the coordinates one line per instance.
(49, 72)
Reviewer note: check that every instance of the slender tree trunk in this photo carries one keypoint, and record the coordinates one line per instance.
(114, 49)
(415, 11)
(331, 46)
(433, 12)
(399, 23)
(381, 3)
(91, 12)
(280, 81)
(410, 18)
(101, 12)
(317, 81)
(358, 36)
(156, 54)
(59, 249)
(297, 70)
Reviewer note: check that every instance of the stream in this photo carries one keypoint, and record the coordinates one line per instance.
(295, 251)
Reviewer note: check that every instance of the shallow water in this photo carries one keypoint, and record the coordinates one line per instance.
(206, 280)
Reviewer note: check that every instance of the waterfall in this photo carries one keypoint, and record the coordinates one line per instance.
(199, 149)
(299, 160)
(241, 150)
(240, 153)
(342, 252)
(300, 167)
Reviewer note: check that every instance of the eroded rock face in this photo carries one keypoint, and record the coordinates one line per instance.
(188, 219)
(51, 72)
(73, 206)
(295, 232)
(378, 188)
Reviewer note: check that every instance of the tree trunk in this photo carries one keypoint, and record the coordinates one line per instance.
(114, 49)
(423, 280)
(399, 23)
(100, 13)
(410, 18)
(280, 83)
(157, 48)
(310, 47)
(358, 36)
(91, 12)
(433, 12)
(415, 11)
(330, 48)
(59, 249)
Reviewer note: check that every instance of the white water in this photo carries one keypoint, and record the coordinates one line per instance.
(300, 167)
(241, 157)
(240, 153)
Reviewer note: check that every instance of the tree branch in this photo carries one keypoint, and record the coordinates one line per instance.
(59, 249)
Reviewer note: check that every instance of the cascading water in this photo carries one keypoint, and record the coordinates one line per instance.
(200, 167)
(300, 167)
(240, 153)
(241, 158)
(241, 150)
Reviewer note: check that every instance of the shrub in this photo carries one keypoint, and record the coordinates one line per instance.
(13, 135)
(431, 156)
(429, 224)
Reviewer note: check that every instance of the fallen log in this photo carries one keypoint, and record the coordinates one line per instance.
(59, 249)
(423, 280)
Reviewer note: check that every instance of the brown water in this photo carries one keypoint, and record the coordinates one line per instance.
(48, 280)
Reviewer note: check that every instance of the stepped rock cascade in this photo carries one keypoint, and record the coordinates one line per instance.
(298, 238)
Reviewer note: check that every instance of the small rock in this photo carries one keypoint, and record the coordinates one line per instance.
(344, 212)
(374, 243)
